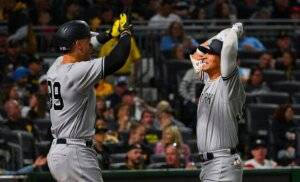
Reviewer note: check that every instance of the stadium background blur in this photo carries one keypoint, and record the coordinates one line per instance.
(146, 111)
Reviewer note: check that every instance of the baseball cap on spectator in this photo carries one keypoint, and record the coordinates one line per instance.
(215, 47)
(121, 81)
(20, 73)
(282, 34)
(101, 130)
(258, 143)
(164, 106)
(43, 79)
(129, 91)
(134, 146)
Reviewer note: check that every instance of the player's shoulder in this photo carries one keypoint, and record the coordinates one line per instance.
(52, 70)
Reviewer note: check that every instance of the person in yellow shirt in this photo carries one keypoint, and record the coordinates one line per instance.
(133, 58)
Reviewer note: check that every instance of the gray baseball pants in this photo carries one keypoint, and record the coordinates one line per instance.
(223, 168)
(73, 162)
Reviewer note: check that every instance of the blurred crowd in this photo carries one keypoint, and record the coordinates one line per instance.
(131, 133)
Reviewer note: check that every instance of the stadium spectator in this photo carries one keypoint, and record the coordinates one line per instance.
(102, 151)
(181, 8)
(172, 158)
(225, 11)
(72, 10)
(129, 68)
(287, 64)
(122, 119)
(137, 137)
(259, 152)
(295, 13)
(134, 158)
(14, 57)
(166, 118)
(171, 135)
(256, 84)
(283, 44)
(128, 99)
(37, 108)
(164, 16)
(190, 90)
(120, 86)
(251, 44)
(43, 85)
(262, 13)
(35, 69)
(102, 124)
(246, 8)
(176, 35)
(147, 120)
(266, 61)
(281, 9)
(10, 92)
(39, 162)
(20, 76)
(103, 88)
(284, 135)
(16, 122)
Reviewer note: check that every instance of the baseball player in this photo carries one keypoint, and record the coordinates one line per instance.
(71, 79)
(220, 107)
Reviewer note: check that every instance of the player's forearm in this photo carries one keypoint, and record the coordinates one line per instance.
(220, 36)
(229, 54)
(118, 56)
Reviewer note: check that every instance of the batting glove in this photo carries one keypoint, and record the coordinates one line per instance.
(121, 26)
(103, 37)
(238, 28)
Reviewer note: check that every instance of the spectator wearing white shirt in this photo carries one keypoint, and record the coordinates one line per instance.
(164, 16)
(259, 152)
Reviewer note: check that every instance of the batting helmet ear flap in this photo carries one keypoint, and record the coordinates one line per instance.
(68, 33)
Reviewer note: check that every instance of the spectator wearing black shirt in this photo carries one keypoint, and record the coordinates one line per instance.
(137, 137)
(134, 158)
(15, 120)
(284, 136)
(256, 84)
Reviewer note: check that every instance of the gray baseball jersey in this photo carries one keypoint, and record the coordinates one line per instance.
(73, 100)
(221, 101)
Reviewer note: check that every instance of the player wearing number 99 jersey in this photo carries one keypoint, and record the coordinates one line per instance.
(72, 101)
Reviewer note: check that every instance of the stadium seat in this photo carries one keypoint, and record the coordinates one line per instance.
(28, 146)
(273, 98)
(193, 145)
(42, 148)
(114, 148)
(249, 63)
(273, 75)
(296, 75)
(297, 119)
(158, 165)
(25, 140)
(186, 134)
(296, 98)
(296, 108)
(116, 166)
(157, 158)
(44, 126)
(258, 117)
(286, 86)
(250, 98)
(118, 158)
(16, 156)
(195, 158)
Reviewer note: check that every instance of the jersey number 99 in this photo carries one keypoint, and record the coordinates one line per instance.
(54, 94)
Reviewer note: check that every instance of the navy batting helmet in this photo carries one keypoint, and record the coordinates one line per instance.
(69, 32)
